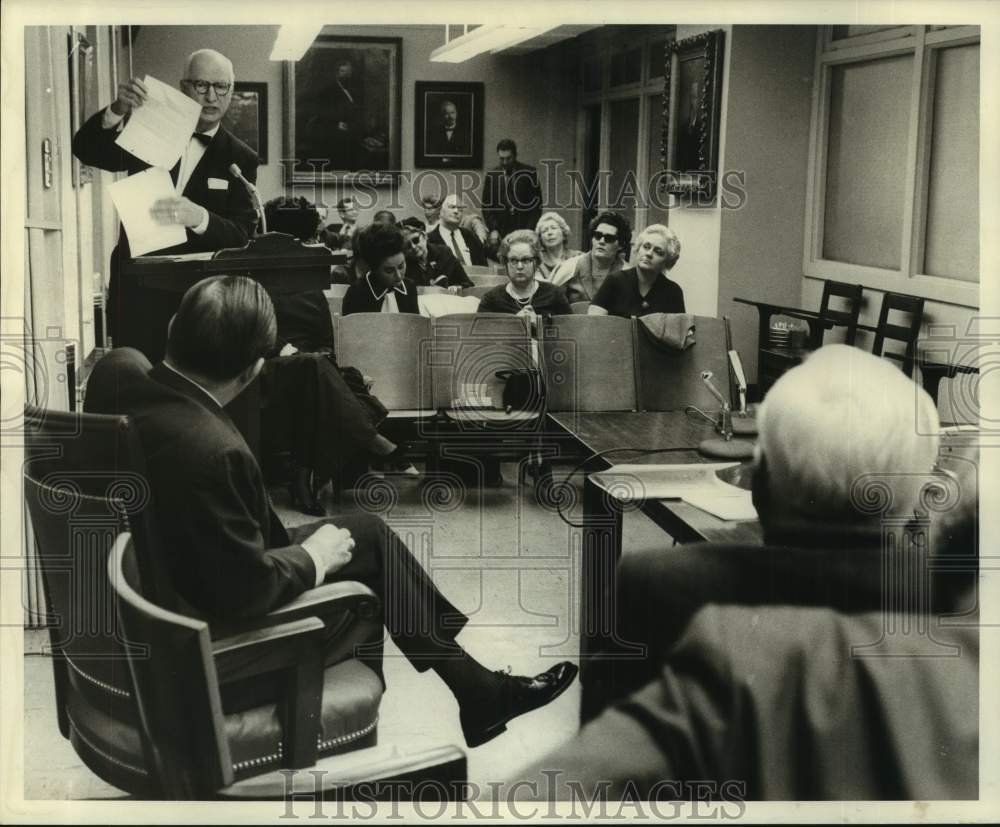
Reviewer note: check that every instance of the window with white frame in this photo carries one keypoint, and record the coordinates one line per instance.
(621, 118)
(893, 191)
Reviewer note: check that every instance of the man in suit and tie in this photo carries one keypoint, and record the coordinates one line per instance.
(227, 554)
(431, 265)
(462, 243)
(212, 205)
(512, 199)
(448, 136)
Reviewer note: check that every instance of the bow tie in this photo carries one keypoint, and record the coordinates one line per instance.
(202, 138)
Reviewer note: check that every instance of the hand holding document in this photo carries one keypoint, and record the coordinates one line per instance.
(158, 132)
(134, 198)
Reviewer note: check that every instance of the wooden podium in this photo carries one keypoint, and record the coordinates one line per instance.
(276, 260)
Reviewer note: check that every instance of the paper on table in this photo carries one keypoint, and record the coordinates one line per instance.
(734, 504)
(159, 131)
(133, 198)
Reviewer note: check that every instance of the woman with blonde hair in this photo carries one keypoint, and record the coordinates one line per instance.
(553, 234)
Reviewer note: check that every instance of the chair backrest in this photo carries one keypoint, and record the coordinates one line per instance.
(84, 484)
(906, 333)
(176, 685)
(589, 363)
(477, 290)
(484, 278)
(467, 349)
(580, 307)
(430, 289)
(669, 380)
(847, 315)
(387, 347)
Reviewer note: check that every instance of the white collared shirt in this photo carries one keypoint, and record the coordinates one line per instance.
(462, 250)
(189, 160)
(184, 376)
(389, 305)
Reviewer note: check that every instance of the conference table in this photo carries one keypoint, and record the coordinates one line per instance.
(603, 512)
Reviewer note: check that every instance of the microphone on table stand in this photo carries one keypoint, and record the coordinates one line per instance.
(726, 447)
(254, 196)
(744, 421)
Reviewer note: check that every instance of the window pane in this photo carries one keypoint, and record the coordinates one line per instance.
(866, 161)
(657, 201)
(626, 67)
(952, 240)
(623, 143)
(842, 32)
(657, 58)
(592, 75)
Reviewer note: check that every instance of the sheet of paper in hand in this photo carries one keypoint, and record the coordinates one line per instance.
(133, 198)
(158, 132)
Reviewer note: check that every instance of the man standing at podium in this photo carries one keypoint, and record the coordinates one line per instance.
(211, 203)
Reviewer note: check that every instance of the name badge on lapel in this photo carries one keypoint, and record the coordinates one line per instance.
(218, 184)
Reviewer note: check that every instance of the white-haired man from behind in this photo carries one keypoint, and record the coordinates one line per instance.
(815, 666)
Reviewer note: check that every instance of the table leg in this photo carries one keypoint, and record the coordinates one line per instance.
(600, 644)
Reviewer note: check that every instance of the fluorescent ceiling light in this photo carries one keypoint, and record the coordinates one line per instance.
(293, 40)
(486, 38)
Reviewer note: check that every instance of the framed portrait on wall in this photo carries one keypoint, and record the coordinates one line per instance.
(342, 111)
(247, 116)
(448, 129)
(692, 99)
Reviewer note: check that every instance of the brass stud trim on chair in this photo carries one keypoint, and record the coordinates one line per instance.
(330, 743)
(105, 755)
(107, 687)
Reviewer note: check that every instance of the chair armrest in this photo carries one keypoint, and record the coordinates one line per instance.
(295, 649)
(347, 596)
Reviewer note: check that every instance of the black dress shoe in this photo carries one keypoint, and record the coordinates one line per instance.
(517, 695)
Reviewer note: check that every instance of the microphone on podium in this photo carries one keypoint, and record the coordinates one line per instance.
(726, 447)
(254, 195)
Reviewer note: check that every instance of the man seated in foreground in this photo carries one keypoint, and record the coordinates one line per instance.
(816, 666)
(228, 554)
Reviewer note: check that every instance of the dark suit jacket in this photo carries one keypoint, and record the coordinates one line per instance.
(443, 269)
(226, 550)
(359, 299)
(438, 143)
(512, 202)
(476, 249)
(231, 222)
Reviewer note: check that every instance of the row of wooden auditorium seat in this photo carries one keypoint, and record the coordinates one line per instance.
(482, 283)
(590, 363)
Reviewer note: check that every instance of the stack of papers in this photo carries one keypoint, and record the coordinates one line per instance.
(158, 132)
(696, 484)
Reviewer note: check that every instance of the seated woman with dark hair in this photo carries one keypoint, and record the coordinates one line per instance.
(384, 288)
(644, 288)
(524, 295)
(583, 275)
(323, 413)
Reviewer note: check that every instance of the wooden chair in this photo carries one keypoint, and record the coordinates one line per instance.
(386, 347)
(477, 290)
(668, 380)
(85, 484)
(774, 360)
(479, 271)
(589, 363)
(888, 331)
(194, 751)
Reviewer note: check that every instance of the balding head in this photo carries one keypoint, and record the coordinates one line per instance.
(452, 210)
(842, 415)
(214, 73)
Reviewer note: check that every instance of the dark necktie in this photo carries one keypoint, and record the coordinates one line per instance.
(202, 138)
(457, 246)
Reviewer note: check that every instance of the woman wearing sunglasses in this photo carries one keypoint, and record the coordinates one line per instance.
(583, 275)
(644, 288)
(523, 295)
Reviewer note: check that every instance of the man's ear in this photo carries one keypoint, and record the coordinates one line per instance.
(250, 373)
(170, 325)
